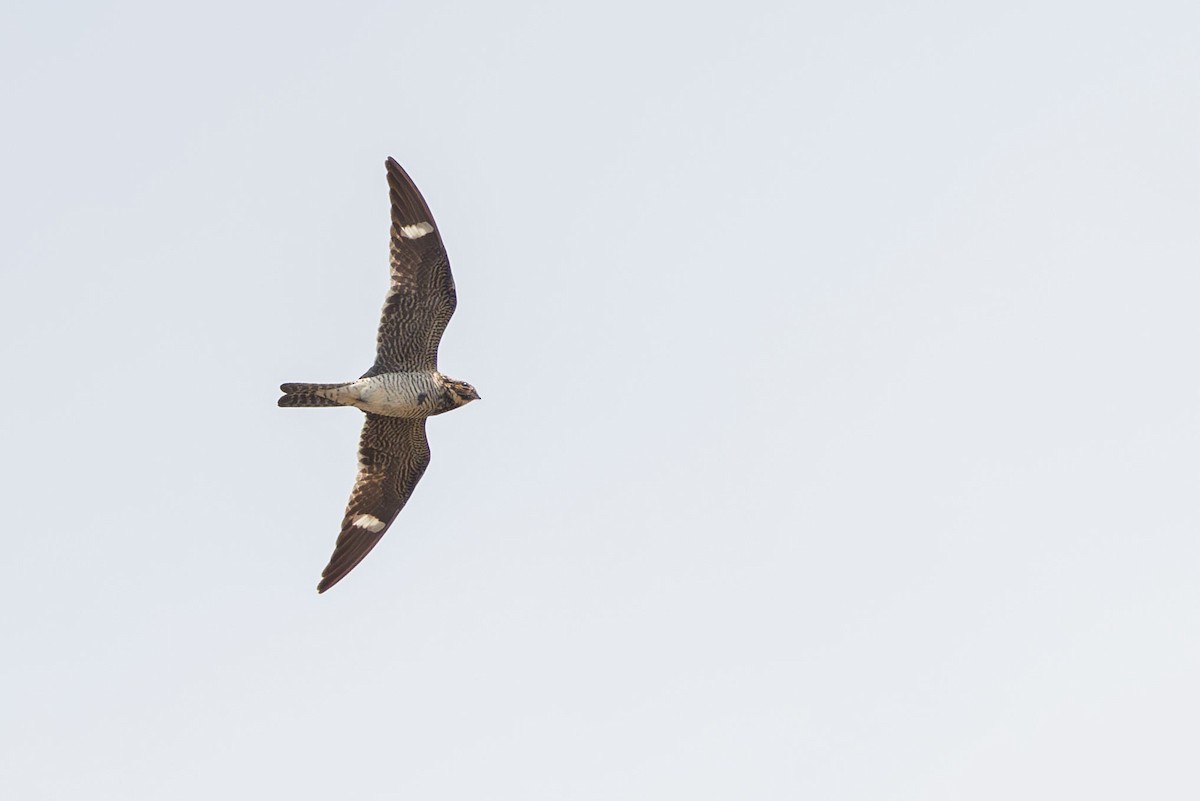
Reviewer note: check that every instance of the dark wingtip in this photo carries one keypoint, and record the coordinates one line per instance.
(408, 206)
(328, 581)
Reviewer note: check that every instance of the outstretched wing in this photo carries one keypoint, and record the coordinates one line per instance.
(421, 297)
(392, 456)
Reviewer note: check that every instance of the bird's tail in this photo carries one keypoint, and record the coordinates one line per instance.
(310, 394)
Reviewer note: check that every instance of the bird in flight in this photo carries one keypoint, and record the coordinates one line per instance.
(402, 388)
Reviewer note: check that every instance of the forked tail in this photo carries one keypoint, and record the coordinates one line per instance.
(309, 394)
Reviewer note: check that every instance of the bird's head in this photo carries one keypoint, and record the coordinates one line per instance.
(462, 392)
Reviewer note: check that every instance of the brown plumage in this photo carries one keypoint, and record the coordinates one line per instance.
(402, 388)
(392, 456)
(421, 298)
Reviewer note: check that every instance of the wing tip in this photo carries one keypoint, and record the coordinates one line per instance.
(408, 204)
(331, 577)
(393, 168)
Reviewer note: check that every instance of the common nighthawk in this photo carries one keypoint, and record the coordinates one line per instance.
(402, 388)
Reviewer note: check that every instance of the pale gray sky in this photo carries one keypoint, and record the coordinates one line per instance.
(839, 436)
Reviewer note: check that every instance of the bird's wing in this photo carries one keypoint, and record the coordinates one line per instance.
(421, 297)
(392, 456)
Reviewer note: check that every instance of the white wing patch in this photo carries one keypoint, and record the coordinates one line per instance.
(370, 522)
(416, 230)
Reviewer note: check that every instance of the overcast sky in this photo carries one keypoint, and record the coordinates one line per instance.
(839, 432)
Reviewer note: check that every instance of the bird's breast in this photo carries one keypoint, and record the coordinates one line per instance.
(397, 394)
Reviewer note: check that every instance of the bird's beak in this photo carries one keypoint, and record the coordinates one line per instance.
(476, 396)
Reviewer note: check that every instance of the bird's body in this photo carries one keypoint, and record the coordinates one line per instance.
(412, 395)
(403, 388)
